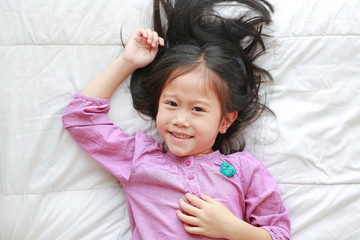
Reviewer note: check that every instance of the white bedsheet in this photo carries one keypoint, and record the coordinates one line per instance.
(50, 189)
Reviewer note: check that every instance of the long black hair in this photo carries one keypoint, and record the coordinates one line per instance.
(225, 36)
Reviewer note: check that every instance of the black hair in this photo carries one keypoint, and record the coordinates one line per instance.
(196, 33)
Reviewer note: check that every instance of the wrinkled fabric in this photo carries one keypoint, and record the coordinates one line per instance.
(154, 180)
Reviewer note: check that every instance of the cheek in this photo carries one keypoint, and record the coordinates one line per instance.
(160, 120)
(208, 126)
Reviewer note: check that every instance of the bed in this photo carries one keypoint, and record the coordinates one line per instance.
(50, 188)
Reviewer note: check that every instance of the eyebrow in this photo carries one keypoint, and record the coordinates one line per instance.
(201, 102)
(193, 102)
(169, 95)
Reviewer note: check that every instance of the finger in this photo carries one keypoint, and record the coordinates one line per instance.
(150, 36)
(155, 39)
(208, 199)
(194, 200)
(187, 219)
(188, 208)
(161, 41)
(193, 229)
(141, 36)
(142, 33)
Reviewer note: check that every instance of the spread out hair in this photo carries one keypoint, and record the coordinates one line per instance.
(223, 38)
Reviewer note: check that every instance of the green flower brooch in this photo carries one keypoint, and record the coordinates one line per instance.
(227, 170)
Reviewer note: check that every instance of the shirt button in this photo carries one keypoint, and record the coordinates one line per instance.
(188, 162)
(191, 177)
(194, 191)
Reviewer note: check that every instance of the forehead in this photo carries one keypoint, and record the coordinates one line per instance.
(197, 81)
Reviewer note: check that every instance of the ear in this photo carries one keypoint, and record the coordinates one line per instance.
(226, 121)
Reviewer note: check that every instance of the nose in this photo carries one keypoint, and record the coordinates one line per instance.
(181, 119)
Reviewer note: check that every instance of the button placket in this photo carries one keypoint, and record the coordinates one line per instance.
(191, 177)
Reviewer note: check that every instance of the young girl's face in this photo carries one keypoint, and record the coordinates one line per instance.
(189, 115)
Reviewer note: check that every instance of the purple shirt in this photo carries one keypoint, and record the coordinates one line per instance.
(154, 180)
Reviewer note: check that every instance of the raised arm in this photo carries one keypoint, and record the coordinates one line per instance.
(140, 50)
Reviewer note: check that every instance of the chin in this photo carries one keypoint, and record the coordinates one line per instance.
(179, 153)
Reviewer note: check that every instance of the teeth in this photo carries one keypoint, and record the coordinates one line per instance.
(181, 136)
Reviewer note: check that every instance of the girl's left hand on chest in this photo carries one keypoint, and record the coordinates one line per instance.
(206, 217)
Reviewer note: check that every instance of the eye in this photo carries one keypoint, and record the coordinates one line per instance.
(198, 109)
(171, 103)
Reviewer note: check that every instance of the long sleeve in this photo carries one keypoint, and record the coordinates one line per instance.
(86, 120)
(264, 205)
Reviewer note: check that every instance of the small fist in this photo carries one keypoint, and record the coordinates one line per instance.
(142, 48)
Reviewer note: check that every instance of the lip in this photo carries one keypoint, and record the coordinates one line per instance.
(180, 136)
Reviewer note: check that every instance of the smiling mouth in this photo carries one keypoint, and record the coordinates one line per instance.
(181, 136)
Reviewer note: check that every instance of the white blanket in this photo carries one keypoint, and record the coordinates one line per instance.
(49, 187)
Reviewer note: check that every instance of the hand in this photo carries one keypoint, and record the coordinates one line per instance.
(142, 48)
(208, 218)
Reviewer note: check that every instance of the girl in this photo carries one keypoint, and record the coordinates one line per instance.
(200, 84)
